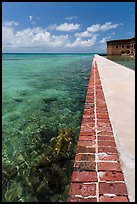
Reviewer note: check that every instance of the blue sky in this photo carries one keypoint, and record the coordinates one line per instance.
(65, 26)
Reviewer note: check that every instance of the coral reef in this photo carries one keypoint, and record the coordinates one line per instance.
(45, 174)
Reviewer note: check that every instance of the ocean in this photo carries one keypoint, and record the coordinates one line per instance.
(43, 99)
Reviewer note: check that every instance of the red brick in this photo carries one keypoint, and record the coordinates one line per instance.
(85, 157)
(105, 133)
(108, 129)
(102, 110)
(87, 120)
(102, 100)
(110, 176)
(87, 129)
(88, 109)
(87, 125)
(109, 166)
(103, 113)
(85, 150)
(77, 199)
(107, 157)
(84, 133)
(89, 97)
(102, 116)
(85, 166)
(113, 199)
(89, 116)
(84, 176)
(82, 189)
(86, 143)
(107, 150)
(103, 124)
(100, 105)
(103, 121)
(113, 188)
(87, 138)
(106, 144)
(88, 112)
(106, 138)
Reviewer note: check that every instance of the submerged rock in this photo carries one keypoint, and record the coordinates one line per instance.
(18, 100)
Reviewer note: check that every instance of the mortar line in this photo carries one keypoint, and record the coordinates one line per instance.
(97, 185)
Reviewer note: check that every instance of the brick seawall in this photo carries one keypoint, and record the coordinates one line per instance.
(97, 175)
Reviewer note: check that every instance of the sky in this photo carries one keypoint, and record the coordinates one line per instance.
(65, 27)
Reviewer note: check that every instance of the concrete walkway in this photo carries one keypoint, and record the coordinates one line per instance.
(118, 83)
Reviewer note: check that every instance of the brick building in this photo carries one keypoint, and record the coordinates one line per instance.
(121, 47)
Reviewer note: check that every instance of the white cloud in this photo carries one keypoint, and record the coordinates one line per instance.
(30, 18)
(65, 27)
(71, 17)
(10, 23)
(103, 27)
(105, 39)
(38, 38)
(31, 37)
(82, 43)
(83, 34)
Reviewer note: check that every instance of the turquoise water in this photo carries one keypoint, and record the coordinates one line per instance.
(43, 99)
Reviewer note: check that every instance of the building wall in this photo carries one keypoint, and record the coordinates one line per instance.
(118, 47)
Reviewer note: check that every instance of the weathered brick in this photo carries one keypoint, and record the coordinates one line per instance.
(113, 188)
(85, 157)
(87, 138)
(110, 176)
(103, 121)
(103, 124)
(107, 150)
(106, 143)
(107, 157)
(82, 189)
(87, 120)
(87, 129)
(87, 125)
(108, 129)
(109, 166)
(85, 166)
(85, 150)
(84, 133)
(84, 176)
(113, 199)
(105, 133)
(87, 143)
(77, 199)
(102, 116)
(106, 138)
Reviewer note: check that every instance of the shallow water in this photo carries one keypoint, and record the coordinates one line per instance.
(43, 99)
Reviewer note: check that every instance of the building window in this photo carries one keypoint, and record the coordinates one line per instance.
(127, 46)
(122, 46)
(116, 46)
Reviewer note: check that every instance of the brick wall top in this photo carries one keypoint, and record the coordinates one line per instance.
(97, 175)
